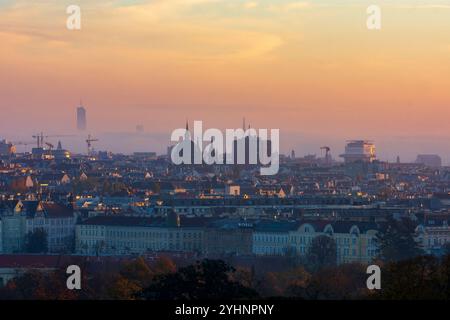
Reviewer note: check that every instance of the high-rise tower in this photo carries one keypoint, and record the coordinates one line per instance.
(81, 118)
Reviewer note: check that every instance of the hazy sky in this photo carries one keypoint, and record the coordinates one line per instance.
(310, 68)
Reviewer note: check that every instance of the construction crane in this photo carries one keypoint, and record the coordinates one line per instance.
(327, 154)
(40, 138)
(89, 141)
(50, 146)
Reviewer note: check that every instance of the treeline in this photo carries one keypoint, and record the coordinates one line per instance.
(424, 277)
(406, 273)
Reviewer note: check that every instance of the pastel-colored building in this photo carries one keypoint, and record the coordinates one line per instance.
(355, 241)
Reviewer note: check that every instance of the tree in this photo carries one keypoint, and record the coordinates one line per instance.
(444, 275)
(396, 241)
(347, 281)
(131, 279)
(164, 265)
(446, 249)
(123, 289)
(419, 278)
(99, 247)
(137, 271)
(36, 241)
(267, 285)
(208, 279)
(244, 276)
(36, 285)
(322, 253)
(282, 283)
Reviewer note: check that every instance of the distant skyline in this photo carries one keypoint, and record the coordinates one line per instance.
(309, 68)
(128, 142)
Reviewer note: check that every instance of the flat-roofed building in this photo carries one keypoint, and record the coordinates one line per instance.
(136, 235)
(359, 150)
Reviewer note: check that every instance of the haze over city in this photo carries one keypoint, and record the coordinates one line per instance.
(225, 157)
(310, 68)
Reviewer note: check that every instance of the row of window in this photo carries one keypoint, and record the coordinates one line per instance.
(304, 239)
(437, 241)
(346, 252)
(123, 246)
(51, 222)
(140, 234)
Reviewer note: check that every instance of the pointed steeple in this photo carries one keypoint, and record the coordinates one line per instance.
(59, 146)
(243, 123)
(187, 134)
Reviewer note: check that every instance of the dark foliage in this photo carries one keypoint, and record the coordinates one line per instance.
(208, 279)
(396, 241)
(36, 241)
(420, 278)
(322, 253)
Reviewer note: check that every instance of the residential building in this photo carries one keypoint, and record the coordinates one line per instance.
(136, 235)
(355, 241)
(57, 220)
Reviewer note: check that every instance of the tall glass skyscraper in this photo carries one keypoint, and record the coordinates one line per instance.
(81, 118)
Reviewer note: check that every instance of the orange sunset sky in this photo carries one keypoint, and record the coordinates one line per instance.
(310, 68)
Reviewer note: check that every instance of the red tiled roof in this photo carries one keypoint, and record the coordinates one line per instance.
(36, 261)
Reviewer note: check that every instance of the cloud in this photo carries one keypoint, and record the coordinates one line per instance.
(423, 6)
(290, 6)
(251, 4)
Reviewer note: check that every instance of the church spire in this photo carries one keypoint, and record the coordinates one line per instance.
(187, 134)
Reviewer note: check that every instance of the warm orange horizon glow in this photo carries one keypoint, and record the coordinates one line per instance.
(310, 68)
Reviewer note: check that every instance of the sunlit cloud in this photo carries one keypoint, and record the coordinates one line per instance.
(251, 4)
(289, 6)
